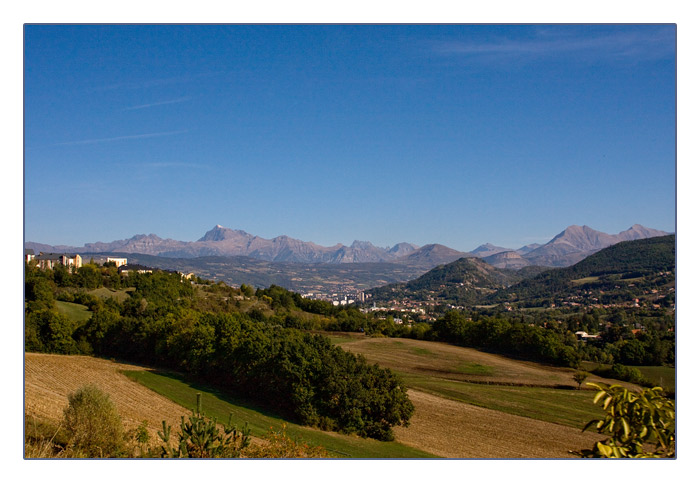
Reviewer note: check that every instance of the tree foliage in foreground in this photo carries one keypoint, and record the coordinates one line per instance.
(638, 424)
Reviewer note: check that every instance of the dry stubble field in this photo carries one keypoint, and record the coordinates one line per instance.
(50, 378)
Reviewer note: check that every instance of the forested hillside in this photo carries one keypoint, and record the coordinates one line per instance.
(464, 281)
(621, 273)
(227, 337)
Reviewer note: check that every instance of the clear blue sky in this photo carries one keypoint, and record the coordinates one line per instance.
(459, 135)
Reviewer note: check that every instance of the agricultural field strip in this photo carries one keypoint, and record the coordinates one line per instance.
(49, 379)
(220, 406)
(485, 380)
(479, 432)
(453, 429)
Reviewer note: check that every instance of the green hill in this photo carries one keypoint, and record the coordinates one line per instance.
(465, 281)
(639, 269)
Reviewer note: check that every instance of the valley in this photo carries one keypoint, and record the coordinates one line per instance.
(477, 381)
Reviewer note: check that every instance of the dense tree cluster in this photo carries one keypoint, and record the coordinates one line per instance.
(302, 376)
(510, 337)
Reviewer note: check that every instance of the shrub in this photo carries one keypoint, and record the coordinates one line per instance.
(623, 373)
(93, 423)
(580, 376)
(200, 437)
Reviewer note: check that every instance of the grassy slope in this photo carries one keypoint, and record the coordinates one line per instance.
(660, 375)
(219, 405)
(75, 312)
(483, 380)
(104, 293)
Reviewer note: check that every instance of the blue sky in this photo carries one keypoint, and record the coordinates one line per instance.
(452, 134)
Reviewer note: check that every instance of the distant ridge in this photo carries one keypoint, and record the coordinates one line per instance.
(646, 262)
(432, 255)
(487, 250)
(568, 247)
(507, 259)
(577, 242)
(222, 241)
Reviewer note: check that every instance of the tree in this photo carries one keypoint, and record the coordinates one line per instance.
(580, 376)
(638, 424)
(247, 290)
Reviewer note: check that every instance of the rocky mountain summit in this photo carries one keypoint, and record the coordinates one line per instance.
(577, 242)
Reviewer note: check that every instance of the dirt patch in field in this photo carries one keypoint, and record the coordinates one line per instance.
(49, 379)
(456, 430)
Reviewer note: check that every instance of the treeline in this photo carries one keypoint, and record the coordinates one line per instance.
(545, 337)
(554, 341)
(302, 376)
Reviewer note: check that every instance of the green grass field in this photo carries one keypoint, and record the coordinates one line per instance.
(484, 380)
(660, 376)
(75, 312)
(219, 405)
(569, 407)
(582, 281)
(105, 293)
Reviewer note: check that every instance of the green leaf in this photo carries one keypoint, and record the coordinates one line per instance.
(625, 427)
(604, 450)
(598, 395)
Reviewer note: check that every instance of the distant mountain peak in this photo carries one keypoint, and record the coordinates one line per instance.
(361, 244)
(576, 242)
(568, 247)
(220, 233)
(488, 249)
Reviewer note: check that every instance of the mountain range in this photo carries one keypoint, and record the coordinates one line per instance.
(568, 247)
(625, 272)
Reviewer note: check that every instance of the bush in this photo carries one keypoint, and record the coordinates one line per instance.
(623, 373)
(93, 423)
(200, 437)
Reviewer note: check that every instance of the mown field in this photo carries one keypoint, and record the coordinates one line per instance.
(486, 380)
